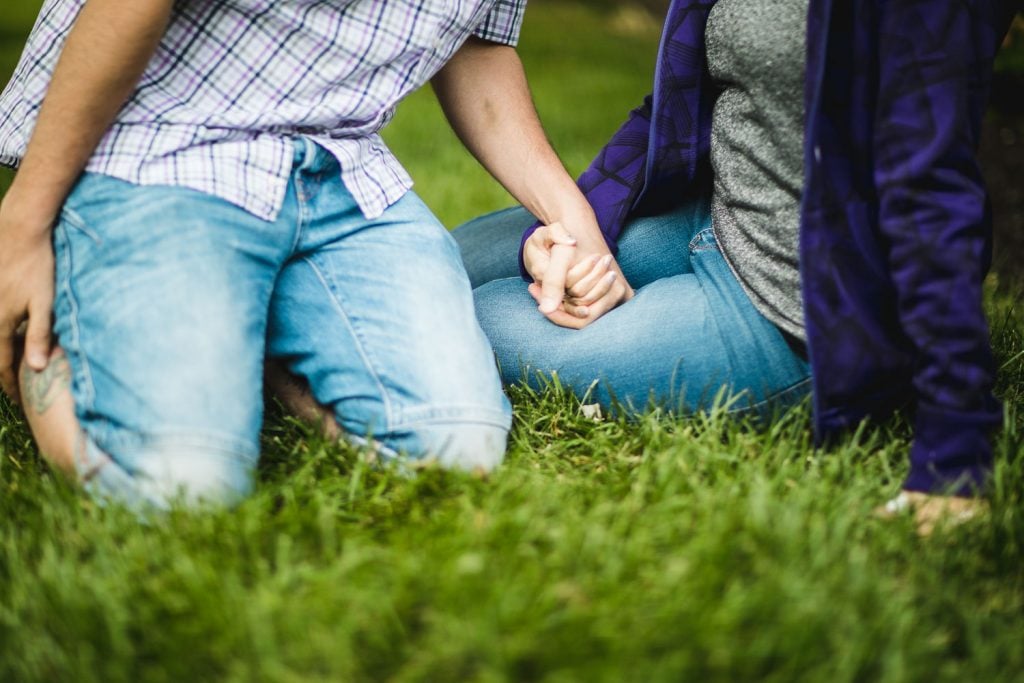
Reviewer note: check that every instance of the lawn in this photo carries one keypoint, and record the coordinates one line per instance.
(663, 549)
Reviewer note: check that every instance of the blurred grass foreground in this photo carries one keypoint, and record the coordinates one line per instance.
(664, 549)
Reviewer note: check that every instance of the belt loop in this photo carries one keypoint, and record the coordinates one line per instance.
(305, 152)
(298, 153)
(311, 150)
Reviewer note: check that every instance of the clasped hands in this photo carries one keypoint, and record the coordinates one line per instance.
(576, 279)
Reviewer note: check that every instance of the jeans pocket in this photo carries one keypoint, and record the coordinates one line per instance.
(66, 326)
(73, 220)
(704, 241)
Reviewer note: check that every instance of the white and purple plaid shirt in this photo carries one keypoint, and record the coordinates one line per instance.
(233, 80)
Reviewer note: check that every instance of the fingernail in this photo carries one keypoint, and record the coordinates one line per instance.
(548, 305)
(611, 276)
(606, 260)
(36, 360)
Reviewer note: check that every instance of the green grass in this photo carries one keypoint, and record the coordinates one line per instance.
(1011, 58)
(658, 550)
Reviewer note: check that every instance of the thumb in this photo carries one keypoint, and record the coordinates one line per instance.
(553, 285)
(535, 258)
(37, 338)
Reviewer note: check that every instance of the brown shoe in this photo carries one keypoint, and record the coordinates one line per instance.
(930, 511)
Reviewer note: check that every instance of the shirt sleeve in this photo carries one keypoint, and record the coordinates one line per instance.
(934, 61)
(503, 23)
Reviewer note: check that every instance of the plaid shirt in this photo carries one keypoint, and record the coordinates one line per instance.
(233, 80)
(895, 232)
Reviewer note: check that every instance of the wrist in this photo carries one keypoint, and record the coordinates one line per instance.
(574, 212)
(555, 198)
(580, 221)
(31, 216)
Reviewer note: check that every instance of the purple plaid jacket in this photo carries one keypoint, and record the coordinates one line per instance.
(896, 232)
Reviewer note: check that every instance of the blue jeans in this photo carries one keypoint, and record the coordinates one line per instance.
(169, 300)
(690, 332)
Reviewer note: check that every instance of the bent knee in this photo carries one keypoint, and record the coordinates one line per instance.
(472, 446)
(469, 447)
(159, 476)
(198, 478)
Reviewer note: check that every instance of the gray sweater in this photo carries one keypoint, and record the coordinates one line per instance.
(756, 54)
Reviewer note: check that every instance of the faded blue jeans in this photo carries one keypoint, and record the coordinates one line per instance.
(169, 300)
(690, 332)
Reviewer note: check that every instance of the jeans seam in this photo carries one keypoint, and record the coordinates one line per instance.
(774, 396)
(300, 214)
(84, 374)
(360, 345)
(447, 415)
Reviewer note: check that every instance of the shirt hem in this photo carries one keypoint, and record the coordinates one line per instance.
(774, 317)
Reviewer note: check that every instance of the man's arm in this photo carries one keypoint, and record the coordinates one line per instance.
(105, 54)
(484, 94)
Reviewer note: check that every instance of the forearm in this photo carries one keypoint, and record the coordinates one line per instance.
(105, 55)
(484, 94)
(612, 182)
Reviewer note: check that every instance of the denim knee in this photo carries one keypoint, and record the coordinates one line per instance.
(454, 439)
(472, 447)
(157, 475)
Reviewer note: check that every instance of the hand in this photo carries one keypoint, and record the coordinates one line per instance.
(587, 283)
(549, 251)
(26, 295)
(576, 281)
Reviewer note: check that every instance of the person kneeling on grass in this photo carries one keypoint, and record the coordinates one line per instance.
(238, 204)
(785, 219)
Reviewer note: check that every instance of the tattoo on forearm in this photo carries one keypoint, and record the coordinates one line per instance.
(40, 389)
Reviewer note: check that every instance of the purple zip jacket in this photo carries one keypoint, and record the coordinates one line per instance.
(895, 231)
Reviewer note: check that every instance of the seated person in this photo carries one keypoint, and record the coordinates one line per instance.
(784, 220)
